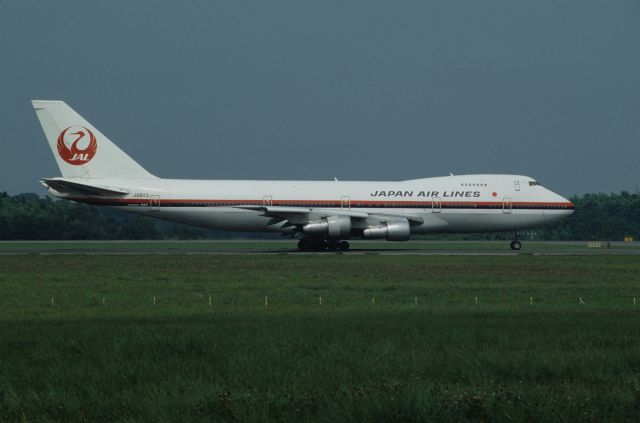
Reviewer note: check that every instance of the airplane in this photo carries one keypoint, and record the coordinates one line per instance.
(322, 215)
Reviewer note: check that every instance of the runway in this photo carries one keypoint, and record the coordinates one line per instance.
(419, 248)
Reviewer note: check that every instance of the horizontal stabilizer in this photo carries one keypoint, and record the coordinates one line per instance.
(68, 187)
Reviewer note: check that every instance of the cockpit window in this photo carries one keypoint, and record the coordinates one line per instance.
(533, 183)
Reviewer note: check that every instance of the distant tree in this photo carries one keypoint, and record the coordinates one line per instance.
(599, 217)
(28, 217)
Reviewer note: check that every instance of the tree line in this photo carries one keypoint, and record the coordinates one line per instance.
(30, 217)
(599, 217)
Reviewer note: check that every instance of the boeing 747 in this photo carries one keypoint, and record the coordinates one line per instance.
(320, 214)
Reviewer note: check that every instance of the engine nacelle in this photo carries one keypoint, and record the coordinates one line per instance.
(398, 230)
(335, 227)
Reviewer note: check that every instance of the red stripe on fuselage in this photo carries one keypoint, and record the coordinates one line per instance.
(319, 203)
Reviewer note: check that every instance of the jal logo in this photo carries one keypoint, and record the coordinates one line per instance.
(77, 145)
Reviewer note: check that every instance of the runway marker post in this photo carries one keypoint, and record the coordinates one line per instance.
(415, 300)
(154, 299)
(51, 301)
(104, 301)
(373, 300)
(530, 300)
(634, 300)
(320, 300)
(580, 301)
(266, 301)
(209, 301)
(476, 300)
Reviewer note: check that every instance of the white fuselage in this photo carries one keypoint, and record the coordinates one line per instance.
(465, 203)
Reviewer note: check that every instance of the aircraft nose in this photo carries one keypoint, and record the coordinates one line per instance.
(564, 206)
(567, 205)
(571, 207)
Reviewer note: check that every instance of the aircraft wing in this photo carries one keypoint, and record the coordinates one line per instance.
(412, 218)
(301, 215)
(64, 186)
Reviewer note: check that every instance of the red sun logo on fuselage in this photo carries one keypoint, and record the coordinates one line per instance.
(77, 145)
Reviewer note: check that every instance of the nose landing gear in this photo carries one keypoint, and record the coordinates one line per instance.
(516, 244)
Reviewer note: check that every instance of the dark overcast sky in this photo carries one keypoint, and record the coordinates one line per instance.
(352, 89)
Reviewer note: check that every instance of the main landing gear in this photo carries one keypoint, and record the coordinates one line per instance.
(322, 245)
(516, 244)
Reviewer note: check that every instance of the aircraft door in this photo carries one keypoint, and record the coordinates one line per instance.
(516, 185)
(436, 204)
(154, 202)
(267, 201)
(345, 202)
(506, 205)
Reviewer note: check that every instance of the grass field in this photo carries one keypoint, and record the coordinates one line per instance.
(527, 350)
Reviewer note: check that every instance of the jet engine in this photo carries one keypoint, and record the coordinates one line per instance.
(334, 227)
(397, 230)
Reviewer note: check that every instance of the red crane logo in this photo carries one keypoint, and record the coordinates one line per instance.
(73, 154)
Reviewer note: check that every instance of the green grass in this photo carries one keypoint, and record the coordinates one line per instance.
(446, 358)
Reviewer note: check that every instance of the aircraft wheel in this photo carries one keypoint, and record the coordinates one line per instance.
(516, 245)
(343, 246)
(303, 245)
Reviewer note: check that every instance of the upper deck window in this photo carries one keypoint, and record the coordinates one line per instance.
(533, 183)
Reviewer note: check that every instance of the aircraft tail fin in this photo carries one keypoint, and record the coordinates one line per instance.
(82, 151)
